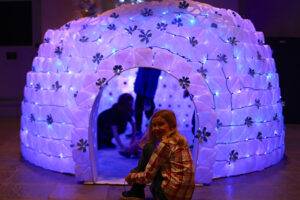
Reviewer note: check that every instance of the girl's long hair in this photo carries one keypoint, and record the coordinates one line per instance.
(175, 136)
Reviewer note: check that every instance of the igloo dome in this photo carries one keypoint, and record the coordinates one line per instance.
(213, 53)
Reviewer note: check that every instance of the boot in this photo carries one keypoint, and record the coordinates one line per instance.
(135, 193)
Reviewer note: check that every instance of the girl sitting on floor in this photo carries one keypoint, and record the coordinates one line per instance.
(166, 161)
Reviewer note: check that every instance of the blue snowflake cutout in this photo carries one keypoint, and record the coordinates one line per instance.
(203, 72)
(177, 21)
(193, 41)
(32, 118)
(232, 41)
(82, 144)
(146, 12)
(183, 5)
(259, 136)
(259, 56)
(101, 82)
(184, 82)
(49, 119)
(233, 156)
(97, 58)
(118, 69)
(214, 25)
(56, 86)
(248, 121)
(257, 103)
(130, 29)
(145, 36)
(202, 135)
(251, 72)
(114, 15)
(219, 123)
(222, 58)
(37, 86)
(161, 26)
(84, 39)
(58, 50)
(111, 27)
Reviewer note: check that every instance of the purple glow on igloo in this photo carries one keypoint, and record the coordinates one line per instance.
(218, 56)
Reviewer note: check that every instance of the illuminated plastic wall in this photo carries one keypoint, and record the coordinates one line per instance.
(213, 52)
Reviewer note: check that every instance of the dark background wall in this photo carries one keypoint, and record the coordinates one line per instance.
(277, 19)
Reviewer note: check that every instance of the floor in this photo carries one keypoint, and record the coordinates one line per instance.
(22, 180)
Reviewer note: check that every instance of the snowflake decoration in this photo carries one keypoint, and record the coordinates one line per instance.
(177, 21)
(183, 5)
(97, 58)
(37, 86)
(161, 26)
(217, 13)
(49, 119)
(251, 72)
(58, 50)
(101, 82)
(222, 58)
(145, 36)
(82, 144)
(275, 118)
(219, 123)
(68, 25)
(202, 135)
(114, 15)
(75, 94)
(146, 12)
(270, 86)
(259, 56)
(84, 26)
(118, 69)
(233, 156)
(84, 39)
(32, 119)
(130, 29)
(248, 121)
(202, 71)
(56, 86)
(193, 41)
(257, 103)
(184, 82)
(260, 42)
(111, 27)
(232, 41)
(214, 25)
(259, 136)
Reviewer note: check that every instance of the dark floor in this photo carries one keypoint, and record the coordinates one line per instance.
(22, 180)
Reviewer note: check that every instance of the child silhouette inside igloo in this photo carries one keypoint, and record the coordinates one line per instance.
(113, 122)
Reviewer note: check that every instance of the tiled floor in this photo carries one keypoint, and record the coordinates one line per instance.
(22, 180)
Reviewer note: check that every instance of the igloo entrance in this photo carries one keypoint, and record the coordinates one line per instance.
(169, 95)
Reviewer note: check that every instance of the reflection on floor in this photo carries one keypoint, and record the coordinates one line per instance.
(20, 179)
(113, 167)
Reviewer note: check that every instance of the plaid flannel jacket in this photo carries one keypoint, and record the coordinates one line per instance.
(177, 169)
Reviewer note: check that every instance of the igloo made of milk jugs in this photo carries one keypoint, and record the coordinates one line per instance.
(213, 53)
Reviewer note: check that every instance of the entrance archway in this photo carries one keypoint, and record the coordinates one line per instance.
(178, 68)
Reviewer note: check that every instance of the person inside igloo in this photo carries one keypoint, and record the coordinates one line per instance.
(145, 87)
(113, 122)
